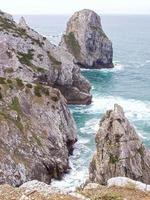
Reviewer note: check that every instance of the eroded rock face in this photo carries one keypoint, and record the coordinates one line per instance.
(119, 150)
(26, 54)
(37, 132)
(87, 42)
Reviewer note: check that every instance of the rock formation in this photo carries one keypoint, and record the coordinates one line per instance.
(86, 41)
(29, 56)
(119, 150)
(37, 132)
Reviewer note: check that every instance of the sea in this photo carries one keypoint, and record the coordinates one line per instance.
(127, 84)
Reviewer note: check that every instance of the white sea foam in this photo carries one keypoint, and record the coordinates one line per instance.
(91, 126)
(134, 109)
(117, 67)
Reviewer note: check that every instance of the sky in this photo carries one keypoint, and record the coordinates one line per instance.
(70, 6)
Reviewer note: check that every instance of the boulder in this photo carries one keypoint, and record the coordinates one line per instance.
(86, 41)
(119, 150)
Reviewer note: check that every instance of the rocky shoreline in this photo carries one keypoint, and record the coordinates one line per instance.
(37, 82)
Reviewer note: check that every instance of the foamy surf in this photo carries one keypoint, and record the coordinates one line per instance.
(134, 109)
(117, 67)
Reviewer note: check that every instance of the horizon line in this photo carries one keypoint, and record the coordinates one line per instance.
(67, 14)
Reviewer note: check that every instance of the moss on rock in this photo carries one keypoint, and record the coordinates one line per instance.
(72, 44)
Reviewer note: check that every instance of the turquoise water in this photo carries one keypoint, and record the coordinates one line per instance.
(128, 84)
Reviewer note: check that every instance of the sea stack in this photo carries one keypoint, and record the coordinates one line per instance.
(119, 150)
(86, 41)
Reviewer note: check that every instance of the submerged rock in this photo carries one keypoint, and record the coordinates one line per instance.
(87, 42)
(119, 150)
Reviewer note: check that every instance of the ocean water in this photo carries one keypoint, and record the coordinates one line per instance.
(128, 84)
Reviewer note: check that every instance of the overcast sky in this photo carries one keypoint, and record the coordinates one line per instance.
(70, 6)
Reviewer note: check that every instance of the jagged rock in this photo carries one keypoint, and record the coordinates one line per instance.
(23, 24)
(26, 54)
(86, 41)
(119, 150)
(37, 132)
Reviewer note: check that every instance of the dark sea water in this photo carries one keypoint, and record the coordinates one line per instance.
(128, 84)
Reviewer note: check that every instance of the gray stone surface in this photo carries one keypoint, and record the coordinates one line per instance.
(26, 54)
(86, 41)
(37, 132)
(119, 150)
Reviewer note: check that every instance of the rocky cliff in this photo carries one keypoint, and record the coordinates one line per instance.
(37, 132)
(86, 41)
(119, 150)
(29, 56)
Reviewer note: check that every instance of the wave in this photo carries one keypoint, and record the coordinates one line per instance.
(134, 109)
(117, 67)
(91, 126)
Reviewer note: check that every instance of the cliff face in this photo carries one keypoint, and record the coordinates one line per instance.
(26, 54)
(119, 151)
(37, 132)
(87, 42)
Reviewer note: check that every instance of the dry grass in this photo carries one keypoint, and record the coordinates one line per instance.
(116, 193)
(102, 193)
(9, 193)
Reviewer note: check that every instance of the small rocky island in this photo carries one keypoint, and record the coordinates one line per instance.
(119, 150)
(86, 41)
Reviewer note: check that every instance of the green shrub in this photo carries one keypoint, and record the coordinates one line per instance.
(9, 81)
(15, 105)
(19, 82)
(72, 44)
(26, 58)
(113, 159)
(40, 69)
(11, 86)
(1, 97)
(53, 60)
(54, 97)
(2, 80)
(45, 91)
(8, 70)
(29, 85)
(37, 90)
